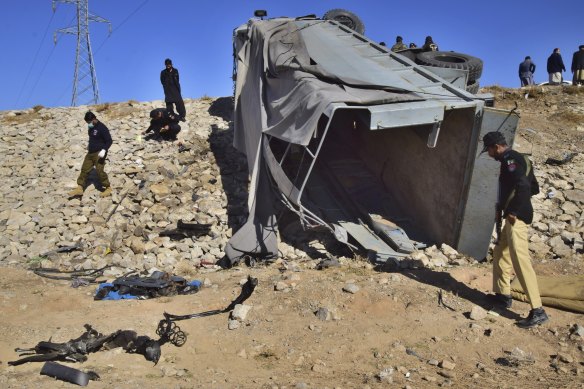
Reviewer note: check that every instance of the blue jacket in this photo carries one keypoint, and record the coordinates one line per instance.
(99, 138)
(526, 68)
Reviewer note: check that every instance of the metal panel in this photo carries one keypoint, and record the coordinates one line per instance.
(476, 230)
(456, 77)
(405, 114)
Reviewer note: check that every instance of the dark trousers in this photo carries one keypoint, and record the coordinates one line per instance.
(180, 107)
(91, 160)
(171, 133)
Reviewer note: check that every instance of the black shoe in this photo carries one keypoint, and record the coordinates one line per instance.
(500, 300)
(182, 119)
(536, 317)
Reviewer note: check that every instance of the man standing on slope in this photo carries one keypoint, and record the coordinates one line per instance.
(578, 66)
(172, 94)
(100, 141)
(526, 70)
(555, 67)
(517, 184)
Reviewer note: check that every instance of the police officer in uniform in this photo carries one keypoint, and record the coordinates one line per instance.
(517, 184)
(100, 141)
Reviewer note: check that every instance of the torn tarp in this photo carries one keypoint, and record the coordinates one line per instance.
(281, 91)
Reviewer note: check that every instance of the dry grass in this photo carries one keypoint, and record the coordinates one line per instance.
(573, 90)
(101, 107)
(22, 117)
(567, 117)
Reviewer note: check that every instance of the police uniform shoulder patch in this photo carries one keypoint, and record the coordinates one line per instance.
(511, 165)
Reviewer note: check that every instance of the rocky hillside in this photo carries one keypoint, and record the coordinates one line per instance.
(155, 186)
(346, 326)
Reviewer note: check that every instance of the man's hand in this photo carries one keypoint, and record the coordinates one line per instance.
(101, 153)
(511, 219)
(164, 129)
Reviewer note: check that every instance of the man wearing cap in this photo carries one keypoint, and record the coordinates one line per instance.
(399, 44)
(517, 184)
(100, 141)
(163, 124)
(171, 86)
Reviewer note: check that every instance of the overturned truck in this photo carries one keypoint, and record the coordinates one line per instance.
(381, 151)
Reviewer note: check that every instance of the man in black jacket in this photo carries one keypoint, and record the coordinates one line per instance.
(163, 124)
(100, 141)
(555, 67)
(578, 66)
(517, 184)
(172, 94)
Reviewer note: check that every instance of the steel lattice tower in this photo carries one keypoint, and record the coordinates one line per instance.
(84, 78)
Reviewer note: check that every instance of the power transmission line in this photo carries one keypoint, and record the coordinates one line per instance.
(106, 39)
(84, 78)
(34, 59)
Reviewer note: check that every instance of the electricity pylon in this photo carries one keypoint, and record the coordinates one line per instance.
(84, 79)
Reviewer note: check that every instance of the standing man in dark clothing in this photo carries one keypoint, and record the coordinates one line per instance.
(578, 66)
(526, 70)
(555, 67)
(100, 141)
(163, 124)
(517, 184)
(172, 94)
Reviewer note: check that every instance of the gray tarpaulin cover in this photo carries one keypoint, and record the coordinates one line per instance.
(281, 91)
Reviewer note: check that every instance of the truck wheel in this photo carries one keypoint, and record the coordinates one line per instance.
(346, 18)
(452, 60)
(473, 87)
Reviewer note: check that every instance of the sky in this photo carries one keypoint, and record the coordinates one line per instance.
(197, 36)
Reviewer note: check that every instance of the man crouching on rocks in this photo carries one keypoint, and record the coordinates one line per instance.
(100, 141)
(163, 125)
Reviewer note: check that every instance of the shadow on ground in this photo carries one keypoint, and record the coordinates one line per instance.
(232, 164)
(444, 280)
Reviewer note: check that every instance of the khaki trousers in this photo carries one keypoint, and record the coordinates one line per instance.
(91, 160)
(511, 253)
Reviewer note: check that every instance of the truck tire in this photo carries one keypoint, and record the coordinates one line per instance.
(473, 87)
(452, 60)
(346, 18)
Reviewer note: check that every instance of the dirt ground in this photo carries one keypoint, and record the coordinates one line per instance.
(392, 332)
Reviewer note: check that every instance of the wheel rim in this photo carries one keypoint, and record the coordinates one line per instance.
(346, 21)
(450, 59)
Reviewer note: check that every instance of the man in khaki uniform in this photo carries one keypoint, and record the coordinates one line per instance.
(99, 143)
(517, 184)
